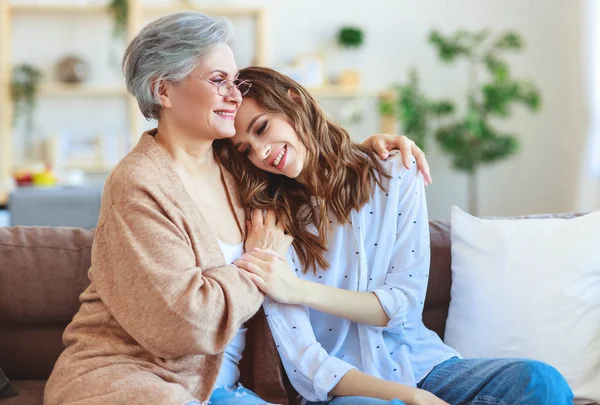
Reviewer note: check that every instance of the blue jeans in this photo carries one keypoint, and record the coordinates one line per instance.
(233, 396)
(358, 401)
(498, 381)
(487, 381)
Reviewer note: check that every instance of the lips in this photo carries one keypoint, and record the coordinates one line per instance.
(276, 155)
(226, 114)
(278, 160)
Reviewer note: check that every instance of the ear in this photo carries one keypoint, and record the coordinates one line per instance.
(163, 93)
(293, 94)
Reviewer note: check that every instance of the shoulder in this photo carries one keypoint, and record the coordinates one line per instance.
(398, 174)
(141, 175)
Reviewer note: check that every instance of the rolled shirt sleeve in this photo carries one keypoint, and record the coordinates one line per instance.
(404, 288)
(311, 370)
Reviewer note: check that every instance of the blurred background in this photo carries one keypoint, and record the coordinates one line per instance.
(503, 95)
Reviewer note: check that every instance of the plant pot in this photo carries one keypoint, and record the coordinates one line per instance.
(72, 70)
(349, 78)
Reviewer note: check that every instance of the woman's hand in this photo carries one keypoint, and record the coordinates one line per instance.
(271, 274)
(422, 397)
(382, 144)
(264, 232)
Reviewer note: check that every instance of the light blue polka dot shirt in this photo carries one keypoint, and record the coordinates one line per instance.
(385, 250)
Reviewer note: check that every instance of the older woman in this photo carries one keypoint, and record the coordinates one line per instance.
(162, 319)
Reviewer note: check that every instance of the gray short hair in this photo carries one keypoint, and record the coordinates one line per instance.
(170, 48)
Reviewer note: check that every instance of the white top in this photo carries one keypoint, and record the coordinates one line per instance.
(229, 374)
(385, 250)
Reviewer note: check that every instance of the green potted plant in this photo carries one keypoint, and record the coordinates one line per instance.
(24, 90)
(408, 104)
(471, 137)
(119, 9)
(350, 39)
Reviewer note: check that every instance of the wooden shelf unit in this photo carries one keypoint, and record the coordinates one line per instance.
(65, 90)
(337, 91)
(56, 8)
(137, 12)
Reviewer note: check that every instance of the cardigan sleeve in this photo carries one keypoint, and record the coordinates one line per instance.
(146, 273)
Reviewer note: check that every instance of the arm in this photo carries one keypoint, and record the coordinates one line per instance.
(310, 369)
(382, 144)
(357, 383)
(405, 283)
(359, 307)
(272, 274)
(146, 273)
(316, 375)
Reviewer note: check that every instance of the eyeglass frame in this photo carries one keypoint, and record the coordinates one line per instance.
(235, 86)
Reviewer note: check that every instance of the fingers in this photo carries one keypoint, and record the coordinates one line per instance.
(259, 282)
(379, 148)
(250, 267)
(289, 239)
(255, 259)
(271, 218)
(266, 254)
(422, 163)
(280, 225)
(403, 144)
(257, 217)
(407, 156)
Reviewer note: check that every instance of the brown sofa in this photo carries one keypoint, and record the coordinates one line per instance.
(44, 270)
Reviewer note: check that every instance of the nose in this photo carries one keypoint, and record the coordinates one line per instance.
(234, 97)
(263, 150)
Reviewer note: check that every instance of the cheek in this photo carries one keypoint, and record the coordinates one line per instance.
(256, 162)
(196, 101)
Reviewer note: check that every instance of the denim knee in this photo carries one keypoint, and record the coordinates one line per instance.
(542, 382)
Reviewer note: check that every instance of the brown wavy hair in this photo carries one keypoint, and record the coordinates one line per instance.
(341, 173)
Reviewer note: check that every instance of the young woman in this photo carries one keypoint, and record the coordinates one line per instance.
(360, 262)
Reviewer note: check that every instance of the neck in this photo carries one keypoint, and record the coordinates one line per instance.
(192, 154)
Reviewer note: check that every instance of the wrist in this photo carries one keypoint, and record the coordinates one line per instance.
(407, 394)
(413, 396)
(301, 292)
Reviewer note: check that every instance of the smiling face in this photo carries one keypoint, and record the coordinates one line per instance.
(269, 141)
(195, 105)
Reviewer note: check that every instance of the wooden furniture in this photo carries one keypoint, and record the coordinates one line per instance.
(136, 15)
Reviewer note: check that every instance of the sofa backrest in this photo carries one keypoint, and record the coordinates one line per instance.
(42, 273)
(44, 270)
(437, 300)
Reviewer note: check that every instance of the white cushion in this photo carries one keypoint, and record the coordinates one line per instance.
(529, 288)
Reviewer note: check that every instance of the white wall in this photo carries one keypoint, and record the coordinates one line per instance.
(540, 179)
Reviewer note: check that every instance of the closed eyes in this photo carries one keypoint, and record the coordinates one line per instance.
(259, 131)
(262, 128)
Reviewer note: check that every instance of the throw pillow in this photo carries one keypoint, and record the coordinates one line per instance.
(529, 288)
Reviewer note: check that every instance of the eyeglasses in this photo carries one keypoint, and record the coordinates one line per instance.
(225, 87)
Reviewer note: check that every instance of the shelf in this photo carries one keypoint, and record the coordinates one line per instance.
(342, 91)
(137, 15)
(89, 168)
(92, 167)
(57, 8)
(81, 90)
(233, 11)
